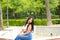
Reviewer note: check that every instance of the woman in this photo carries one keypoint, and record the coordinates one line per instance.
(27, 30)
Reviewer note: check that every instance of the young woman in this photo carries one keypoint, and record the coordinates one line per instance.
(27, 30)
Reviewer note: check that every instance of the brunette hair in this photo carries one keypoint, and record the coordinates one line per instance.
(32, 23)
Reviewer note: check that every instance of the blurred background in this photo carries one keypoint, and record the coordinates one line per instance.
(15, 12)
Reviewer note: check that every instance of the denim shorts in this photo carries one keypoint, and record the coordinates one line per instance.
(24, 37)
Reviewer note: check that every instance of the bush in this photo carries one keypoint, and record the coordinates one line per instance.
(56, 21)
(21, 22)
(13, 22)
(40, 22)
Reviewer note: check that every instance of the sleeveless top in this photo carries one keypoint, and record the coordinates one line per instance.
(25, 28)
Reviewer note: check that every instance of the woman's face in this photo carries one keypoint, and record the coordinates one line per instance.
(30, 20)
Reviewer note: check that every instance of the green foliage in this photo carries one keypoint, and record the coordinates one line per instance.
(28, 5)
(25, 8)
(40, 22)
(53, 4)
(13, 22)
(21, 22)
(56, 22)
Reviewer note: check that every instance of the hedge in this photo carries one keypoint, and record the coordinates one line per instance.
(20, 22)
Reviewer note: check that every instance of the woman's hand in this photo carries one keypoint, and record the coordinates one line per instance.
(28, 30)
(23, 30)
(20, 34)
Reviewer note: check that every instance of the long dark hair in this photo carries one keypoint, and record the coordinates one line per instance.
(32, 23)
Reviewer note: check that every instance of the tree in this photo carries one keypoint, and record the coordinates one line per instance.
(49, 22)
(28, 6)
(58, 10)
(1, 20)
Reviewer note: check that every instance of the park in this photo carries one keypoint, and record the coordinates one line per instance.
(46, 14)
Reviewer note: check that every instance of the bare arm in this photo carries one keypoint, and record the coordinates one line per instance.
(21, 31)
(28, 30)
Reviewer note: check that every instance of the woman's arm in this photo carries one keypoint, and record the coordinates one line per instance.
(21, 31)
(28, 30)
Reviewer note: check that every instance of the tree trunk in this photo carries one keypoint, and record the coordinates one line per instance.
(49, 22)
(1, 21)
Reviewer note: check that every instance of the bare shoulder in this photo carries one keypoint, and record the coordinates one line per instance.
(30, 25)
(29, 28)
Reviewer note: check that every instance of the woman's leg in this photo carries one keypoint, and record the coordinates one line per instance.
(22, 38)
(17, 38)
(25, 37)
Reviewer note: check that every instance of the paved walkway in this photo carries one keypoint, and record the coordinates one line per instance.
(13, 31)
(54, 27)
